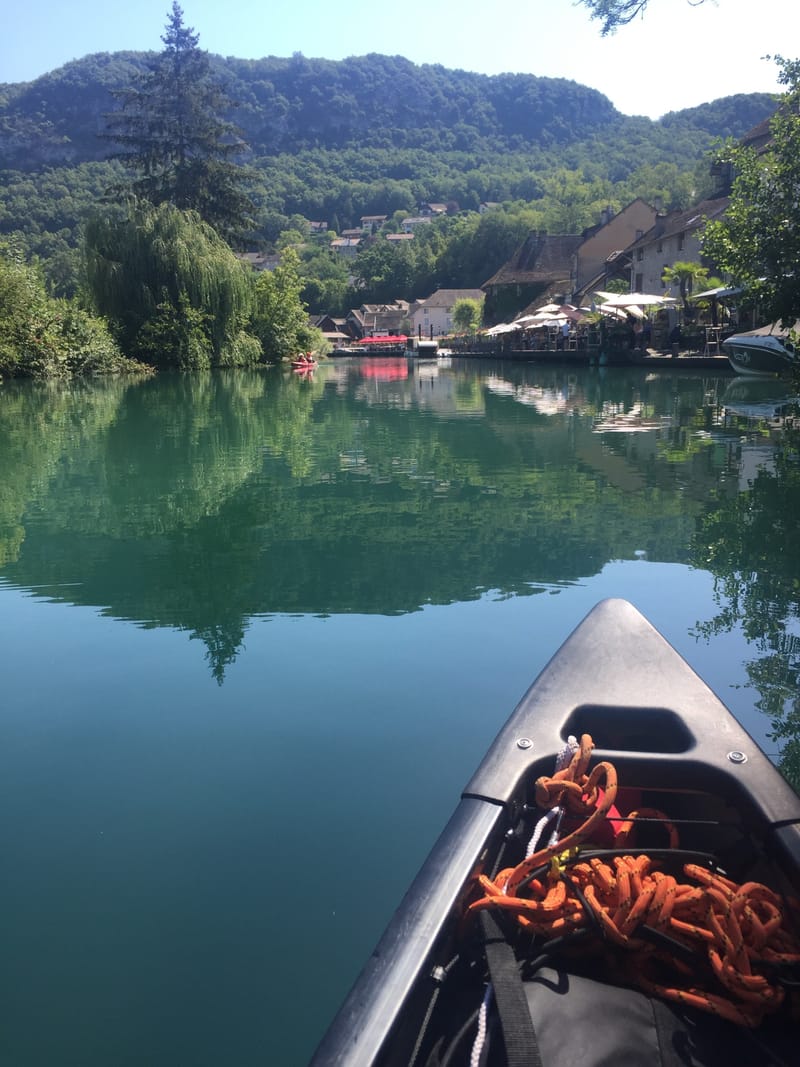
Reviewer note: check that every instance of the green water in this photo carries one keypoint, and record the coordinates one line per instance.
(257, 632)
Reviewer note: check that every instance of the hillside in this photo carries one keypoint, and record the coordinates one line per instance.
(288, 105)
(374, 134)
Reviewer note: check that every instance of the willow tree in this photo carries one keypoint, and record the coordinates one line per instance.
(172, 132)
(173, 290)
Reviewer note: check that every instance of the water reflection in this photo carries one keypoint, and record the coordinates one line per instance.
(749, 541)
(381, 486)
(760, 399)
(250, 479)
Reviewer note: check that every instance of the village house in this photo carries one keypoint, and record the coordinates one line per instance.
(346, 247)
(568, 267)
(410, 224)
(616, 268)
(539, 271)
(433, 317)
(372, 223)
(673, 238)
(260, 260)
(428, 210)
(758, 139)
(378, 319)
(332, 328)
(635, 245)
(596, 257)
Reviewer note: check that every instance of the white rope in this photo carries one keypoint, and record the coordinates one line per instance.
(562, 760)
(539, 829)
(480, 1037)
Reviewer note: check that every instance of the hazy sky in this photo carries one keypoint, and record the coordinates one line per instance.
(676, 56)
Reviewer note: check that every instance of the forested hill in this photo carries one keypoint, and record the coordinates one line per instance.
(286, 106)
(370, 135)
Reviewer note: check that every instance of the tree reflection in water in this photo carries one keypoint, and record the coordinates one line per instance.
(750, 542)
(201, 502)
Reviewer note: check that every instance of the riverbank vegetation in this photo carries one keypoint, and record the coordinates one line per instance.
(46, 337)
(757, 242)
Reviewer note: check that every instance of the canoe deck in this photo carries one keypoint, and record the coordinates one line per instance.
(674, 747)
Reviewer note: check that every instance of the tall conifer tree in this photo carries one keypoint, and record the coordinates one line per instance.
(172, 133)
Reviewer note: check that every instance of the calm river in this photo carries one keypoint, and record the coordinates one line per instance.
(257, 632)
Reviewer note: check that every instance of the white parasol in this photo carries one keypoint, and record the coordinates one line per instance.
(503, 327)
(543, 318)
(642, 300)
(616, 313)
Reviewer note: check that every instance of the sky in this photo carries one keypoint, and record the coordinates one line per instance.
(673, 57)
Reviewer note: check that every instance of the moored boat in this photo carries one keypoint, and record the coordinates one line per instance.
(633, 902)
(425, 349)
(381, 345)
(765, 351)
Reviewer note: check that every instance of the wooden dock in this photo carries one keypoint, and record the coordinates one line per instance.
(592, 356)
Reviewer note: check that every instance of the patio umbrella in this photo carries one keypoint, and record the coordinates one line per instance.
(572, 313)
(617, 313)
(543, 318)
(551, 323)
(602, 297)
(503, 327)
(720, 293)
(625, 310)
(625, 300)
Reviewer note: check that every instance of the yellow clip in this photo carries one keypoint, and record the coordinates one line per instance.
(560, 862)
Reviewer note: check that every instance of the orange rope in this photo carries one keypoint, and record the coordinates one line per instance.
(740, 930)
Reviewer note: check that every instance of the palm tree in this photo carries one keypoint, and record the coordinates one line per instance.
(684, 275)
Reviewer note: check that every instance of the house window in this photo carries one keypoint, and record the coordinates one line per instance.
(680, 242)
(640, 254)
(638, 284)
(660, 246)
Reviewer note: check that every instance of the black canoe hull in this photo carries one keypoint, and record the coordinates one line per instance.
(617, 679)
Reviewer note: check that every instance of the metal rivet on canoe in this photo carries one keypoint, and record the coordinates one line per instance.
(737, 757)
(524, 742)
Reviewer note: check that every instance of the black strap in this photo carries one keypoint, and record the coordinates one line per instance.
(522, 1047)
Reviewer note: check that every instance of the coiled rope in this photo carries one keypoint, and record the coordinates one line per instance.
(666, 929)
